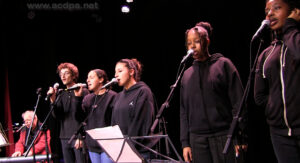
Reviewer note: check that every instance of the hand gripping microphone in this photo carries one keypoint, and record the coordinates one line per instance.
(112, 82)
(76, 86)
(55, 86)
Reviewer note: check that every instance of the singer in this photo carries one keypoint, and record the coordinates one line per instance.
(210, 93)
(40, 143)
(277, 79)
(97, 107)
(133, 108)
(67, 110)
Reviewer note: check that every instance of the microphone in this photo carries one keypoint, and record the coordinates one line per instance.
(112, 82)
(55, 86)
(38, 91)
(264, 24)
(188, 55)
(76, 86)
(23, 125)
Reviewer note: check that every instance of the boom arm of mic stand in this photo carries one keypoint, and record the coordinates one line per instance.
(32, 119)
(77, 132)
(244, 98)
(41, 127)
(166, 103)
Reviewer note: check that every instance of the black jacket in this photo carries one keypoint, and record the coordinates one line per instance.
(69, 112)
(277, 81)
(133, 110)
(210, 95)
(98, 113)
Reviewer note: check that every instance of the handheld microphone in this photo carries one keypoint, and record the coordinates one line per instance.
(23, 125)
(188, 55)
(264, 24)
(76, 86)
(55, 86)
(112, 82)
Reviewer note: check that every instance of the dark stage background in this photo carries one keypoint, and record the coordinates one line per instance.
(35, 41)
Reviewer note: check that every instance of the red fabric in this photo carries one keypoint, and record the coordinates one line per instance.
(39, 144)
(7, 119)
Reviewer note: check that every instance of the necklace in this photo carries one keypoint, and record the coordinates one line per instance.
(95, 105)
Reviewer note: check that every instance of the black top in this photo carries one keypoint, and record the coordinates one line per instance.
(133, 110)
(210, 95)
(69, 112)
(277, 81)
(98, 111)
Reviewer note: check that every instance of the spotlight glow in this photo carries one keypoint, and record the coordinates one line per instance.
(125, 9)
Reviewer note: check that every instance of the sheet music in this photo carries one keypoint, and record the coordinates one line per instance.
(3, 138)
(111, 140)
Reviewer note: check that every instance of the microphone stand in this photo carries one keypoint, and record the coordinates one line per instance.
(41, 128)
(166, 105)
(236, 119)
(83, 124)
(38, 92)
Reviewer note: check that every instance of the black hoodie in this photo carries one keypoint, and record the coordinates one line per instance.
(210, 95)
(133, 110)
(277, 81)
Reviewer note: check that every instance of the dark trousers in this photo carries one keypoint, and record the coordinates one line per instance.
(210, 149)
(286, 148)
(70, 154)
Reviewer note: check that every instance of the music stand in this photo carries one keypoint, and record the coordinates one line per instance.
(3, 138)
(120, 149)
(115, 144)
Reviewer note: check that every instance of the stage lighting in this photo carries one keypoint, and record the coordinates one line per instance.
(125, 9)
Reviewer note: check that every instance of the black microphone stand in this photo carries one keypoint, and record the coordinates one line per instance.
(38, 92)
(83, 124)
(166, 105)
(41, 128)
(237, 118)
(78, 133)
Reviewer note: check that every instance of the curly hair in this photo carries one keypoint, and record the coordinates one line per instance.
(71, 67)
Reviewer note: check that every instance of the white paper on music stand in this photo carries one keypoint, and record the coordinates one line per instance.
(3, 141)
(113, 147)
(3, 138)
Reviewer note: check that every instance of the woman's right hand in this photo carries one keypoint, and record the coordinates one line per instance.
(52, 92)
(187, 154)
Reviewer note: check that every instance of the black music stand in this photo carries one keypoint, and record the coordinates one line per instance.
(3, 138)
(121, 149)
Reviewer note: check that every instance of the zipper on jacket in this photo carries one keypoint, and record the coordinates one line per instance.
(282, 65)
(263, 71)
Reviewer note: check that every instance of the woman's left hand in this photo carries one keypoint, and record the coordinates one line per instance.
(295, 14)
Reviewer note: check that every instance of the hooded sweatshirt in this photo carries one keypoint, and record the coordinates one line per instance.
(277, 81)
(133, 110)
(210, 95)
